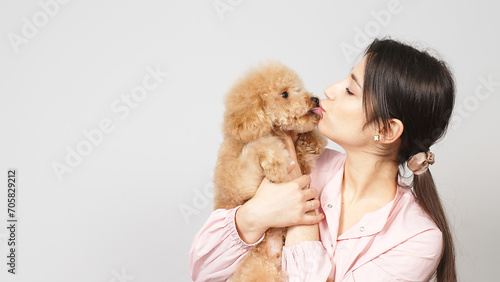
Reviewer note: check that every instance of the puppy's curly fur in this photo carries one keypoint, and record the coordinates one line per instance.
(261, 107)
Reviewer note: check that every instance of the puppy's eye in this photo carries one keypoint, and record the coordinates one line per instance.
(284, 94)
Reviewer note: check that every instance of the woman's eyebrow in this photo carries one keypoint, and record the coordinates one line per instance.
(356, 80)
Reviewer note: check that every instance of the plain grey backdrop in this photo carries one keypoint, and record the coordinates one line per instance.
(111, 113)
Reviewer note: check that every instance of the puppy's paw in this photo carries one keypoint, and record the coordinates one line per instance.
(309, 146)
(275, 165)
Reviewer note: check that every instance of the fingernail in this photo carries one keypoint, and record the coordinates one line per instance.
(292, 163)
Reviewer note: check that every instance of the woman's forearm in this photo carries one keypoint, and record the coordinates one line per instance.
(301, 233)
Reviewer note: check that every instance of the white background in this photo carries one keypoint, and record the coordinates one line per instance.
(128, 208)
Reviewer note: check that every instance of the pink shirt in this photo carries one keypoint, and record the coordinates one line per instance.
(397, 242)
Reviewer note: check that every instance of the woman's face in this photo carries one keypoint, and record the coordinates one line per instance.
(343, 113)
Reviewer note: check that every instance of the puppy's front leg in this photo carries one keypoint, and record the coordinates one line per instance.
(269, 155)
(309, 146)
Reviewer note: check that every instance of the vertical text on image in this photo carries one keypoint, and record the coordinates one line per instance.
(12, 224)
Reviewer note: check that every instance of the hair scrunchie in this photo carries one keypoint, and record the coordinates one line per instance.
(419, 163)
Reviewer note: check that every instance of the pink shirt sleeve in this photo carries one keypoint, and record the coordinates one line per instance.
(217, 248)
(413, 260)
(306, 261)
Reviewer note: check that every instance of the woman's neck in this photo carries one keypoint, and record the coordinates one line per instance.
(368, 177)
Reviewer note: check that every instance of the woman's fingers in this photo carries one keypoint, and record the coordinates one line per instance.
(265, 180)
(312, 218)
(295, 171)
(310, 193)
(286, 204)
(290, 147)
(312, 205)
(302, 181)
(291, 167)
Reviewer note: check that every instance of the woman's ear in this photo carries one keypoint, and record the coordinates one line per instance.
(247, 122)
(392, 132)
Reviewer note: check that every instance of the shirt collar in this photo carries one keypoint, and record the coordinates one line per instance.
(370, 224)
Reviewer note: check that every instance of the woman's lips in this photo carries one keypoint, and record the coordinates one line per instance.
(319, 110)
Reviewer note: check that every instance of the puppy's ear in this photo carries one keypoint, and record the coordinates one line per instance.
(247, 122)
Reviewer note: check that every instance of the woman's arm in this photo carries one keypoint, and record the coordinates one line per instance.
(216, 248)
(230, 234)
(300, 233)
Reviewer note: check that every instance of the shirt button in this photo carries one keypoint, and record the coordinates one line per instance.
(330, 205)
(332, 245)
(361, 229)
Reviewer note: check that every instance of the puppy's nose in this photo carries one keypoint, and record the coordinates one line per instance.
(315, 100)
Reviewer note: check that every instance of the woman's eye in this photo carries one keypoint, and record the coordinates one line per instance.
(284, 94)
(348, 91)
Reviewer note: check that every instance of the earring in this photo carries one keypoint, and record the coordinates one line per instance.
(376, 137)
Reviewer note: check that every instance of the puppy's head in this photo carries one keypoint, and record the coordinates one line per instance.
(269, 97)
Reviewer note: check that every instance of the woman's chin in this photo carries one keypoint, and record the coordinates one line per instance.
(323, 129)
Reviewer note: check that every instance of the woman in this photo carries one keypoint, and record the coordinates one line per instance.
(367, 226)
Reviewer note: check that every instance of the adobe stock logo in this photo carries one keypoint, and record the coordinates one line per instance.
(363, 37)
(40, 19)
(484, 90)
(223, 6)
(121, 277)
(201, 200)
(122, 107)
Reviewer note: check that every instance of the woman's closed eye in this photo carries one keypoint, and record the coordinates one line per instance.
(348, 91)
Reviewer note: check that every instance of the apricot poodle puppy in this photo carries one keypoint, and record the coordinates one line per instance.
(261, 108)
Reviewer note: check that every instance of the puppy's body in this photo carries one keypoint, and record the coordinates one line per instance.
(265, 104)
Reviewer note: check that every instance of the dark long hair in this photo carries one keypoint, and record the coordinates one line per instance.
(411, 85)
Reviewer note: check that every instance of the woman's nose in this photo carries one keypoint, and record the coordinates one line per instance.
(330, 92)
(334, 89)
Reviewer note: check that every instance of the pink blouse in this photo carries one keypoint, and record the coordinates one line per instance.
(397, 242)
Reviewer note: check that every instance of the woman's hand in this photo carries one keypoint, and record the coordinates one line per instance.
(279, 205)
